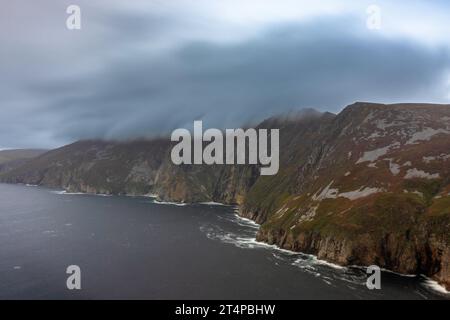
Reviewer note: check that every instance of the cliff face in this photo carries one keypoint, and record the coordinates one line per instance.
(135, 168)
(95, 166)
(374, 188)
(368, 186)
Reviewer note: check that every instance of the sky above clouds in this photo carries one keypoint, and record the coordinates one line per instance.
(143, 68)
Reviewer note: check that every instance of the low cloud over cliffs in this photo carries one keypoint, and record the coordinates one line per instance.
(144, 69)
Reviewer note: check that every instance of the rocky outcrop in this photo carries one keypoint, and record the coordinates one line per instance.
(370, 185)
(405, 254)
(375, 190)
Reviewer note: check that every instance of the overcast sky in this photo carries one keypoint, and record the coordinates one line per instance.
(143, 68)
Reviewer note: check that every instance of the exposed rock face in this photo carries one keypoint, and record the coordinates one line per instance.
(95, 166)
(368, 186)
(373, 189)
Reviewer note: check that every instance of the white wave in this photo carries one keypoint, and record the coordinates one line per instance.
(212, 203)
(58, 192)
(251, 242)
(435, 286)
(314, 258)
(307, 262)
(64, 192)
(152, 195)
(180, 204)
(149, 195)
(31, 185)
(243, 222)
(406, 275)
(246, 221)
(326, 263)
(216, 233)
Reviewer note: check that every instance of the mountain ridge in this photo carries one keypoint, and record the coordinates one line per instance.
(14, 158)
(370, 185)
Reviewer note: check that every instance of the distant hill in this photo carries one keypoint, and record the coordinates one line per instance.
(370, 185)
(11, 159)
(9, 155)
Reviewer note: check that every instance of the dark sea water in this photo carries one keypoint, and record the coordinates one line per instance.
(133, 248)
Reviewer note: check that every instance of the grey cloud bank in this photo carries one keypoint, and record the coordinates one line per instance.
(131, 72)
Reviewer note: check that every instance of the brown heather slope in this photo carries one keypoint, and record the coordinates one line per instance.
(370, 185)
(95, 167)
(374, 189)
(11, 159)
(15, 154)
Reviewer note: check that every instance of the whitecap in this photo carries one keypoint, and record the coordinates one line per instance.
(435, 286)
(212, 203)
(180, 204)
(247, 222)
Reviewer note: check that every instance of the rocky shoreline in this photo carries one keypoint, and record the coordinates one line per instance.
(370, 185)
(346, 252)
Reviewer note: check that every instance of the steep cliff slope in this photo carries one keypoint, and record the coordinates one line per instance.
(370, 185)
(374, 189)
(96, 167)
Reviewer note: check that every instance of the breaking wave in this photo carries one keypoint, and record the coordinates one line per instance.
(180, 204)
(241, 232)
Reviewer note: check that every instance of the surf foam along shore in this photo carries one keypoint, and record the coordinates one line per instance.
(150, 195)
(180, 204)
(213, 203)
(435, 286)
(290, 252)
(208, 203)
(252, 242)
(64, 192)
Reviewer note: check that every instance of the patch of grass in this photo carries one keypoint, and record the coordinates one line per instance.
(429, 188)
(378, 215)
(440, 207)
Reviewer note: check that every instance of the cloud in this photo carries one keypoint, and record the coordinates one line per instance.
(153, 71)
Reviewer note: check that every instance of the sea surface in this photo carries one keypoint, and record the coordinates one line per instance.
(137, 248)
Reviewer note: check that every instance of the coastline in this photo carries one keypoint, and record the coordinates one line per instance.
(429, 283)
